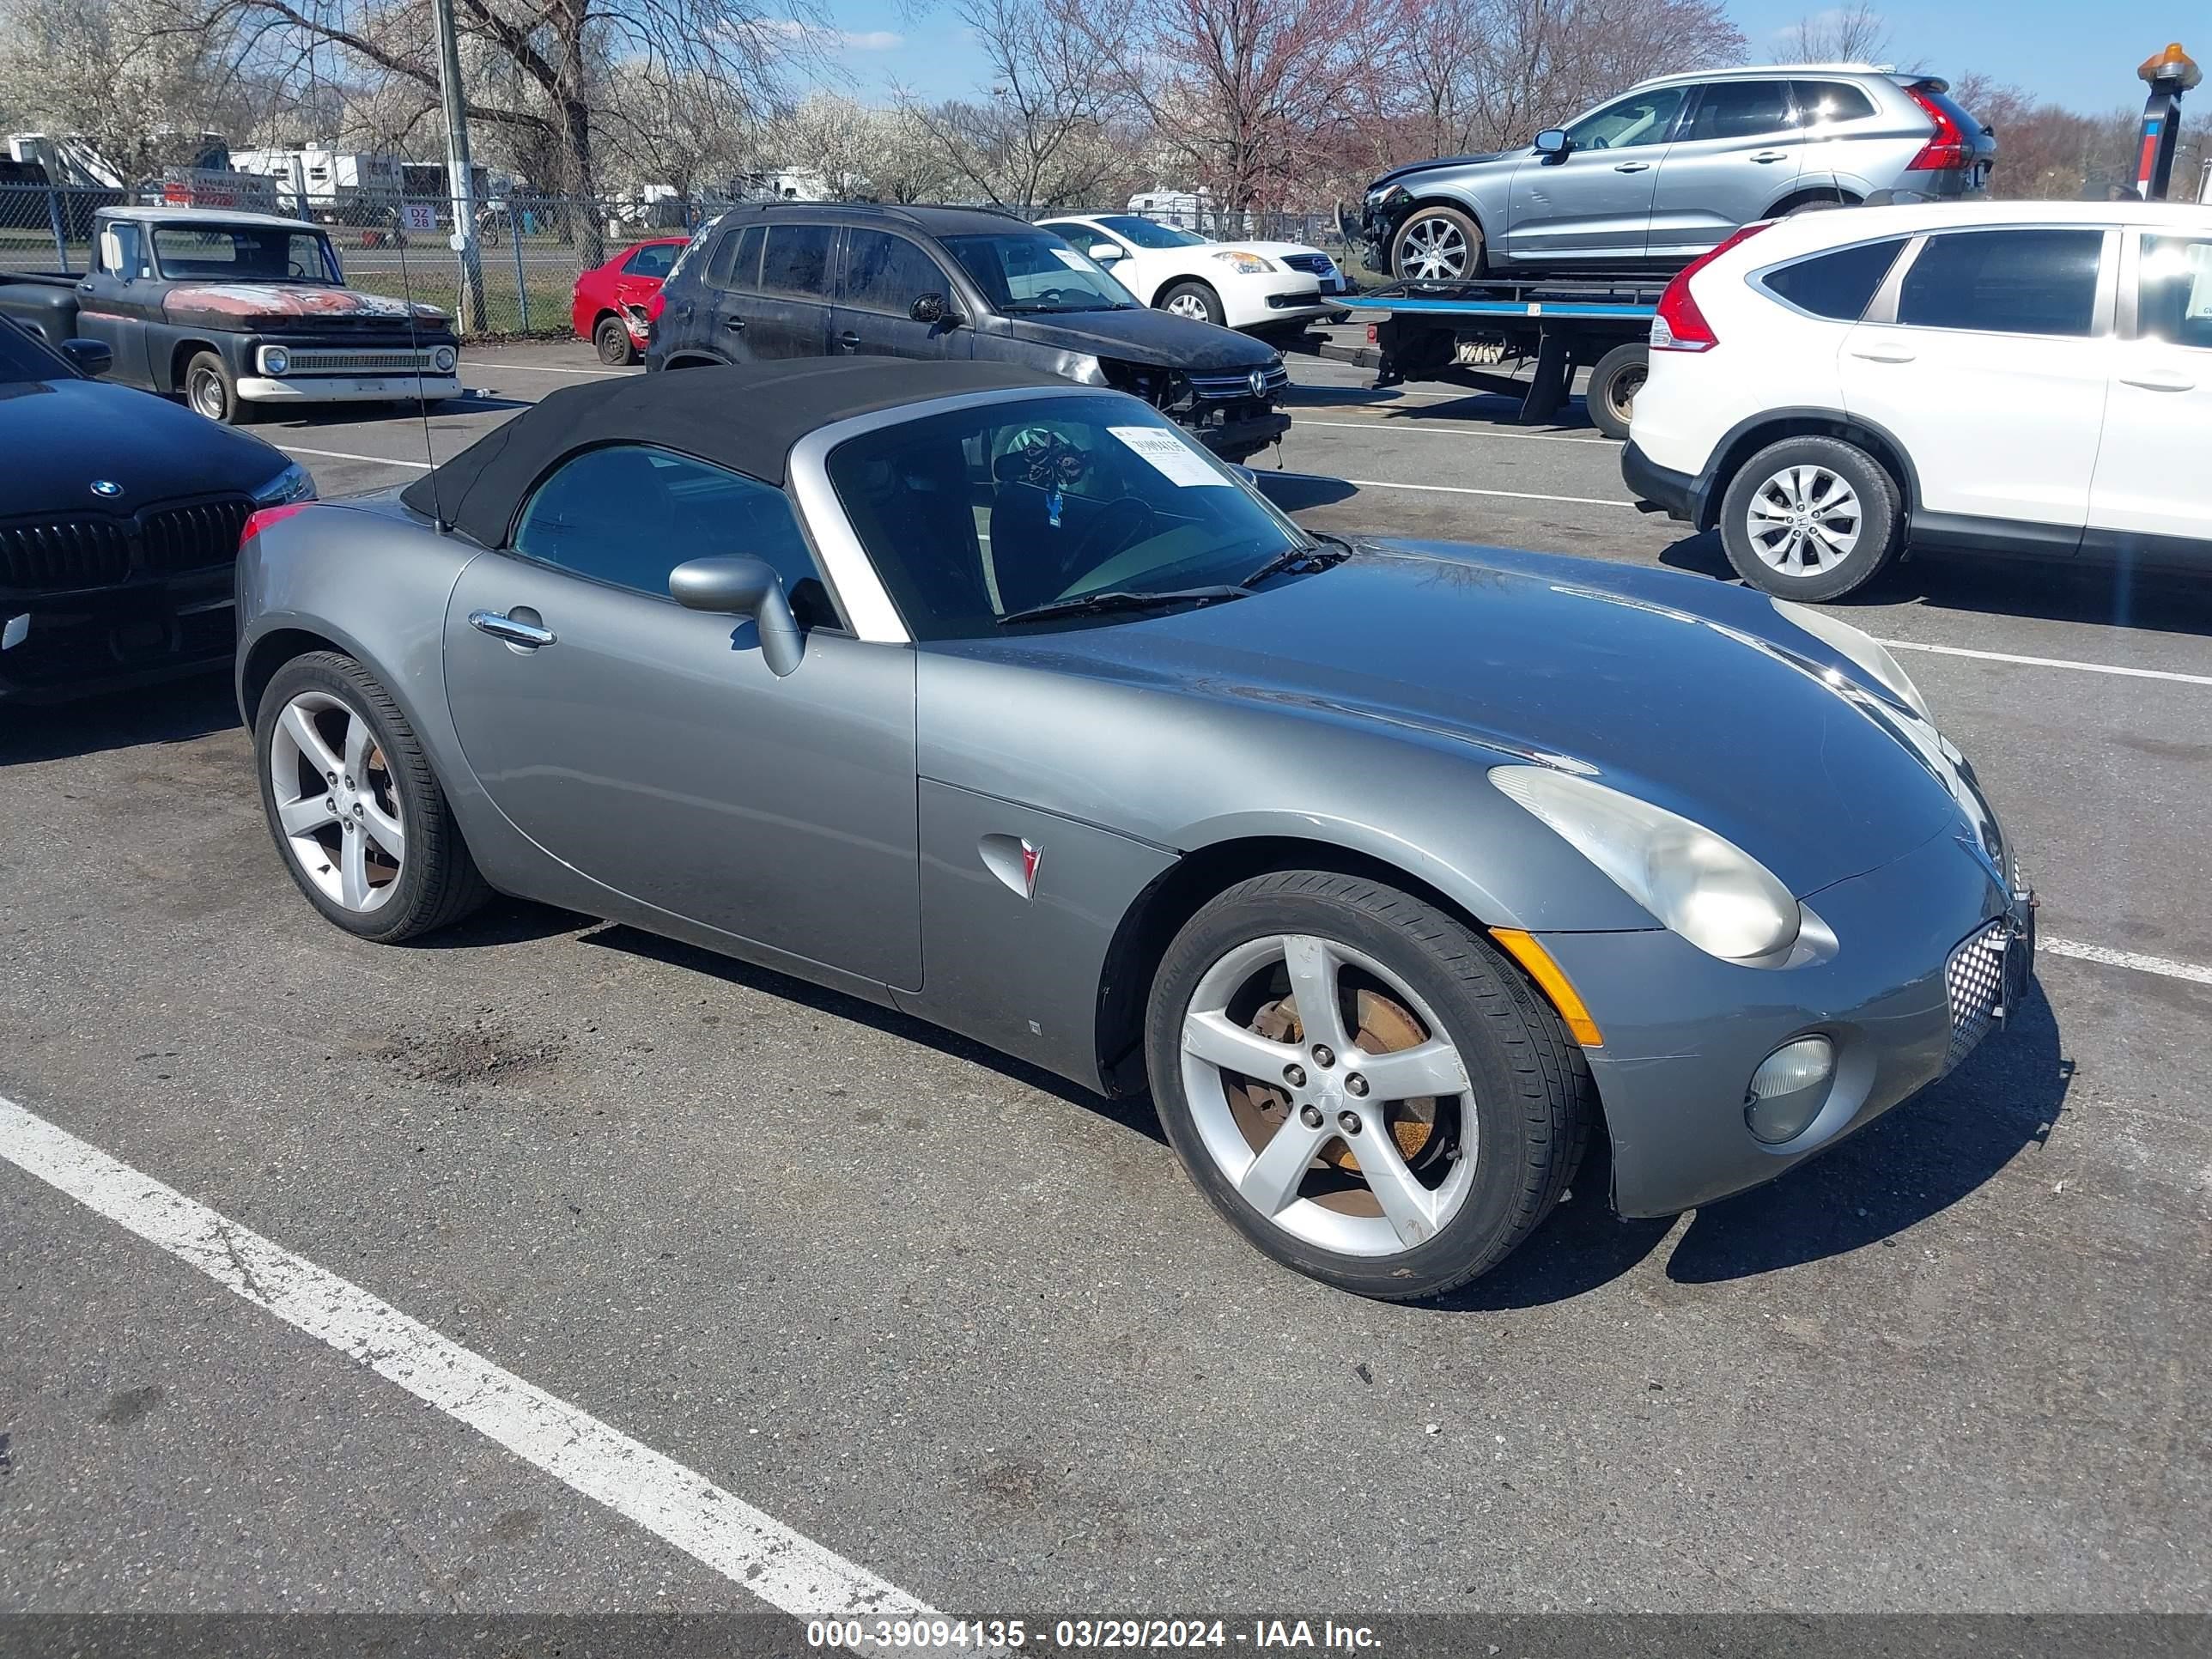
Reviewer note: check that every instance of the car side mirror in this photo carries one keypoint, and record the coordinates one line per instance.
(1104, 253)
(739, 585)
(91, 358)
(1553, 144)
(931, 308)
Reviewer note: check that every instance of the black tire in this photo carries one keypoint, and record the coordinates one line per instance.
(1195, 297)
(210, 389)
(1817, 203)
(610, 339)
(1532, 1098)
(1441, 230)
(1614, 384)
(1879, 526)
(438, 881)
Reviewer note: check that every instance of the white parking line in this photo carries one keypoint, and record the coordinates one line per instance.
(2165, 966)
(1440, 430)
(782, 1567)
(2051, 662)
(1455, 490)
(341, 455)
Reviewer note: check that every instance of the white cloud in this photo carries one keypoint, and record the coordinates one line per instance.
(835, 39)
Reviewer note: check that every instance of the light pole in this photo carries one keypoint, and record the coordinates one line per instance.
(460, 185)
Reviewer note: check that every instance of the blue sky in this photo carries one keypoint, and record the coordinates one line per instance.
(2050, 46)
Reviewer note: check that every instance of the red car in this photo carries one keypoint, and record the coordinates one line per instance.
(609, 307)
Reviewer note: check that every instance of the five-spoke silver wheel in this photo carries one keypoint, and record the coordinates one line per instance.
(337, 802)
(1328, 1095)
(1803, 521)
(1433, 249)
(1188, 304)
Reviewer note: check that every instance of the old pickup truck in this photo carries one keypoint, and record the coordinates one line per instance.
(237, 312)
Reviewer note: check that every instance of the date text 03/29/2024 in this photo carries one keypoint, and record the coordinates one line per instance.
(984, 1636)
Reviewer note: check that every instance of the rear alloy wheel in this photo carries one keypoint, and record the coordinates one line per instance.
(1195, 300)
(1365, 1089)
(364, 828)
(1811, 518)
(610, 339)
(1614, 384)
(1437, 245)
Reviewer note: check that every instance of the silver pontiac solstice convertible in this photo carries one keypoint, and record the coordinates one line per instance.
(1392, 870)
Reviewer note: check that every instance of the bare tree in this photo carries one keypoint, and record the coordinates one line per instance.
(1853, 33)
(1545, 61)
(1037, 140)
(538, 70)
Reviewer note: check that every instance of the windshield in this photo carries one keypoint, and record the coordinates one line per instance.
(242, 253)
(22, 358)
(1144, 234)
(976, 513)
(1029, 272)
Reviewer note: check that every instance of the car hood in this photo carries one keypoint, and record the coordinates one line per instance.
(1401, 175)
(247, 305)
(62, 436)
(1142, 335)
(1692, 696)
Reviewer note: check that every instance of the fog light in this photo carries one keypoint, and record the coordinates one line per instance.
(443, 359)
(1789, 1089)
(275, 360)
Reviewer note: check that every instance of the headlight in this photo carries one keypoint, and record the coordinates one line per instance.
(1250, 265)
(292, 484)
(1709, 890)
(275, 360)
(1084, 371)
(1861, 648)
(443, 359)
(1383, 194)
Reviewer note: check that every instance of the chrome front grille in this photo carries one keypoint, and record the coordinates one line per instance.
(1974, 979)
(1317, 263)
(326, 360)
(1216, 386)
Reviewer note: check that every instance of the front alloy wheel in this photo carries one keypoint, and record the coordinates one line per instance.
(1437, 245)
(1364, 1087)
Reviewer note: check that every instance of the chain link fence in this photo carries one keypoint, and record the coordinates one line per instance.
(529, 249)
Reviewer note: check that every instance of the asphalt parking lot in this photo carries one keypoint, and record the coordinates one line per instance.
(971, 1330)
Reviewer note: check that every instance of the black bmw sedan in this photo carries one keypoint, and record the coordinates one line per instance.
(120, 514)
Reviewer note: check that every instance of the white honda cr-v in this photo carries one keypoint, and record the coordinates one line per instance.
(2008, 377)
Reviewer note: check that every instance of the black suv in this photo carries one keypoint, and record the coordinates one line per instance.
(817, 279)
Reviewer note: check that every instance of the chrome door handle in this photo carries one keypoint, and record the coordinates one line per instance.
(1769, 155)
(735, 324)
(849, 341)
(2159, 380)
(1633, 167)
(514, 632)
(1884, 354)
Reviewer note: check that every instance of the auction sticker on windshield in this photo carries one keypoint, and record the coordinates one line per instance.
(1170, 456)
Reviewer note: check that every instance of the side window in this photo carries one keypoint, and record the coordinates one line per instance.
(797, 261)
(1838, 284)
(1741, 109)
(119, 251)
(653, 261)
(1642, 117)
(2004, 282)
(888, 273)
(2175, 300)
(629, 515)
(737, 258)
(1823, 103)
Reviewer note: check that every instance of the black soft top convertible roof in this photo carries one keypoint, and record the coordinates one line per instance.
(745, 417)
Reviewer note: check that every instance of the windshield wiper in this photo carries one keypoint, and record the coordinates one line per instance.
(1123, 598)
(1312, 558)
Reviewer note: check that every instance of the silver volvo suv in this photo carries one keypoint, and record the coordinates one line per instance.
(1659, 175)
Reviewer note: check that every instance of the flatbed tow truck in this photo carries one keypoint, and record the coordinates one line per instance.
(1470, 333)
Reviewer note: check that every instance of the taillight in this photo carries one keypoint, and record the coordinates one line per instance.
(257, 522)
(1949, 150)
(1679, 324)
(654, 303)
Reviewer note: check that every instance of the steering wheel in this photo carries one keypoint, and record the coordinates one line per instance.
(1120, 522)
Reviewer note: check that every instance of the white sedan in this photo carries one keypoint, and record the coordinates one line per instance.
(1236, 284)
